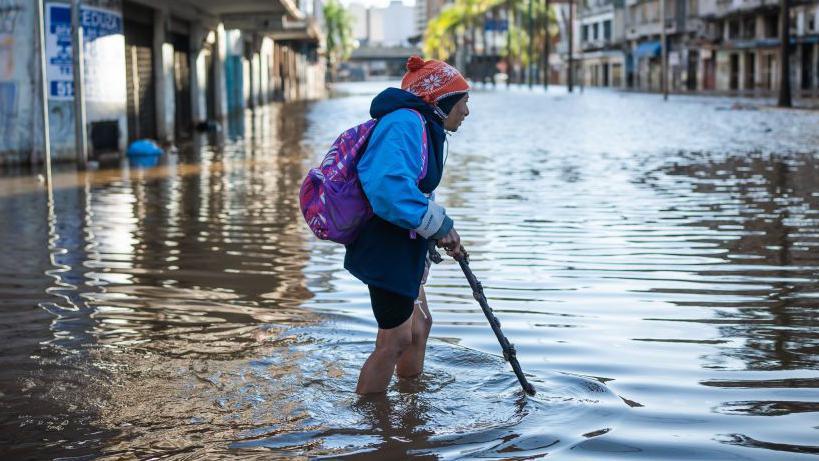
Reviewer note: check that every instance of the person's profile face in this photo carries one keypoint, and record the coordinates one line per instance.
(457, 115)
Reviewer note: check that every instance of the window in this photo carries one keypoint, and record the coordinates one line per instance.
(594, 29)
(607, 30)
(585, 33)
(748, 28)
(733, 29)
(693, 8)
(771, 26)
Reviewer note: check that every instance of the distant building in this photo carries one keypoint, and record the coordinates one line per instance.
(684, 34)
(725, 46)
(746, 46)
(602, 32)
(392, 25)
(425, 10)
(398, 24)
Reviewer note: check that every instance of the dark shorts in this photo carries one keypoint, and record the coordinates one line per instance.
(390, 309)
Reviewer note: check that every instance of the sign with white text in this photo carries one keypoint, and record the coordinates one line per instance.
(59, 65)
(97, 23)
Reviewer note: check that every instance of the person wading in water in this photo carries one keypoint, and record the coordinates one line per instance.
(390, 253)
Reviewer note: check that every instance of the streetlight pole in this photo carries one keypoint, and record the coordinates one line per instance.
(570, 28)
(531, 43)
(784, 56)
(664, 53)
(509, 16)
(547, 44)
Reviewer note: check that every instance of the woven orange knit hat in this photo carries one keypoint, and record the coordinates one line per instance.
(432, 80)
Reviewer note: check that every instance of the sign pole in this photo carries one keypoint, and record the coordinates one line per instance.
(79, 85)
(44, 88)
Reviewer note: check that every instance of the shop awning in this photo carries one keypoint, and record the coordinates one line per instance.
(648, 49)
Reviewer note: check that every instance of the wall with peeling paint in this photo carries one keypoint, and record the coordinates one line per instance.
(18, 82)
(20, 86)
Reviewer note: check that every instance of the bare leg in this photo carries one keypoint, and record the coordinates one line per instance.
(411, 362)
(377, 370)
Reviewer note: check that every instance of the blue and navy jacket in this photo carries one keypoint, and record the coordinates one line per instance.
(384, 255)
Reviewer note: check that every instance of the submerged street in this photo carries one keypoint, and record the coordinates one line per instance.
(655, 264)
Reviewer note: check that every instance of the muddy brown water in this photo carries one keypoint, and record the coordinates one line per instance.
(655, 265)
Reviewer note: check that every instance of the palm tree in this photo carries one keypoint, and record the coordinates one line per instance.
(338, 25)
(439, 38)
(462, 18)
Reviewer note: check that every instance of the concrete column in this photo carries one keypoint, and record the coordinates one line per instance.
(723, 70)
(247, 77)
(256, 86)
(760, 26)
(197, 71)
(163, 75)
(264, 76)
(220, 90)
(816, 66)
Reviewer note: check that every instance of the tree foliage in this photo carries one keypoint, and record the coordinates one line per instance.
(465, 17)
(338, 30)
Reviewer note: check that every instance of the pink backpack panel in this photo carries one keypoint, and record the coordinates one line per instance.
(331, 198)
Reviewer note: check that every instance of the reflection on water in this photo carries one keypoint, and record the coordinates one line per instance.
(655, 265)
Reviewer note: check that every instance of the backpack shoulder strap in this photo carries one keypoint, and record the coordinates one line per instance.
(424, 145)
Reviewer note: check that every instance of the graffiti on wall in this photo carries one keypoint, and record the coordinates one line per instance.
(10, 11)
(61, 123)
(9, 14)
(6, 56)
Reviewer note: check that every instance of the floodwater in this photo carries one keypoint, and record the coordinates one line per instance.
(654, 263)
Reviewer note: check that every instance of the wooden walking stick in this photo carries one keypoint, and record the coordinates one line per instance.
(509, 352)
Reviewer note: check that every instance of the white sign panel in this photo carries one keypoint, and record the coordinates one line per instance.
(104, 50)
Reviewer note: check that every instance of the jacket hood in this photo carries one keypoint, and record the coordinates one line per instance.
(393, 99)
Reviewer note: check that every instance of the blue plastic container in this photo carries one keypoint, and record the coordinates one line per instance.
(144, 147)
(144, 153)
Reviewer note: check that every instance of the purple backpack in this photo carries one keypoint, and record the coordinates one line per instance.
(331, 198)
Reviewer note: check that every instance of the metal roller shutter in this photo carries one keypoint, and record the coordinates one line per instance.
(182, 85)
(140, 79)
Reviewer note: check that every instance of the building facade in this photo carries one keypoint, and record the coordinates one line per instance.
(391, 26)
(601, 59)
(150, 69)
(719, 46)
(747, 47)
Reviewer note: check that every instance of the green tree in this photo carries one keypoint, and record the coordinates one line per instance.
(338, 30)
(445, 34)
